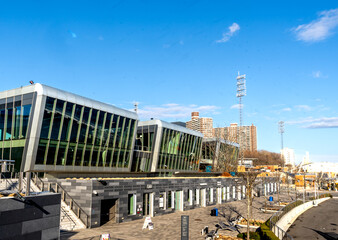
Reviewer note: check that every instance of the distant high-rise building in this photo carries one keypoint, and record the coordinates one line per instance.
(289, 156)
(203, 125)
(248, 140)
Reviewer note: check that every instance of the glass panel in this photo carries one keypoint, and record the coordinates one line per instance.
(16, 154)
(46, 118)
(78, 158)
(84, 125)
(99, 128)
(9, 123)
(106, 130)
(113, 131)
(61, 155)
(121, 158)
(2, 123)
(108, 158)
(25, 117)
(126, 160)
(131, 133)
(66, 121)
(6, 153)
(125, 133)
(17, 122)
(40, 157)
(115, 157)
(51, 154)
(76, 123)
(94, 157)
(86, 158)
(119, 132)
(91, 132)
(57, 119)
(70, 154)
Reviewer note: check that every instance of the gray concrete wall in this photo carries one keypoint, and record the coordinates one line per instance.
(36, 218)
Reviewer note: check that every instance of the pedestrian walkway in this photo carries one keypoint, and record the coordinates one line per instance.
(319, 222)
(169, 226)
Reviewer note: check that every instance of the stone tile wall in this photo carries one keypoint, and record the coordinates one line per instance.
(89, 193)
(36, 218)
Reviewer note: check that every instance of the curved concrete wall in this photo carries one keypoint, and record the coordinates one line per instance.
(286, 221)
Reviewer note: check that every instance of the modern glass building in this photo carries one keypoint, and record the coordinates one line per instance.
(49, 130)
(165, 147)
(214, 149)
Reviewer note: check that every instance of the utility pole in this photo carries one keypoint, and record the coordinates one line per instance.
(241, 92)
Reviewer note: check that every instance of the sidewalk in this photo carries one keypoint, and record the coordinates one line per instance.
(169, 226)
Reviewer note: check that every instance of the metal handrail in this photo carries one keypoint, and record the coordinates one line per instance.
(8, 181)
(73, 205)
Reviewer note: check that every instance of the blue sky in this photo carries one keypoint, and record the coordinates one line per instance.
(174, 57)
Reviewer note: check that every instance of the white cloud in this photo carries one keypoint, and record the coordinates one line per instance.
(316, 74)
(228, 34)
(286, 109)
(236, 106)
(319, 29)
(303, 107)
(174, 111)
(324, 122)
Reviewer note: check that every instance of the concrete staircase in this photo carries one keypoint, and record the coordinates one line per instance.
(68, 220)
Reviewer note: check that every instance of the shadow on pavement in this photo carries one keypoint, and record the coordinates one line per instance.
(326, 235)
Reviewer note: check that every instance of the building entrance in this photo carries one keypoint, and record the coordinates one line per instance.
(148, 203)
(108, 210)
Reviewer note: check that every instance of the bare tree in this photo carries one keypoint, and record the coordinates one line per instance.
(249, 178)
(222, 151)
(225, 151)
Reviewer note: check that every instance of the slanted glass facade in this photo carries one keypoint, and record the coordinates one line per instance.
(77, 135)
(14, 120)
(179, 151)
(144, 148)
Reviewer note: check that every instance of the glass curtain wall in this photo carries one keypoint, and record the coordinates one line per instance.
(76, 135)
(179, 151)
(14, 119)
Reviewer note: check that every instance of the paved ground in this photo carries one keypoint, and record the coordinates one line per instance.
(169, 226)
(319, 222)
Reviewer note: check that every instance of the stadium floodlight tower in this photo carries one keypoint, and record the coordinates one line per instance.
(241, 92)
(281, 131)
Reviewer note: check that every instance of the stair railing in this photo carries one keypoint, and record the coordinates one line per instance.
(9, 182)
(57, 188)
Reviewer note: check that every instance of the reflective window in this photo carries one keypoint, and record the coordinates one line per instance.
(25, 117)
(2, 123)
(76, 123)
(81, 136)
(84, 125)
(9, 124)
(179, 151)
(57, 119)
(66, 122)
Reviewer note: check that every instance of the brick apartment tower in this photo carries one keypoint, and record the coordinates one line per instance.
(230, 133)
(203, 125)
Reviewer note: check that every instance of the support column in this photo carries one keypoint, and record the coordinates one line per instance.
(28, 183)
